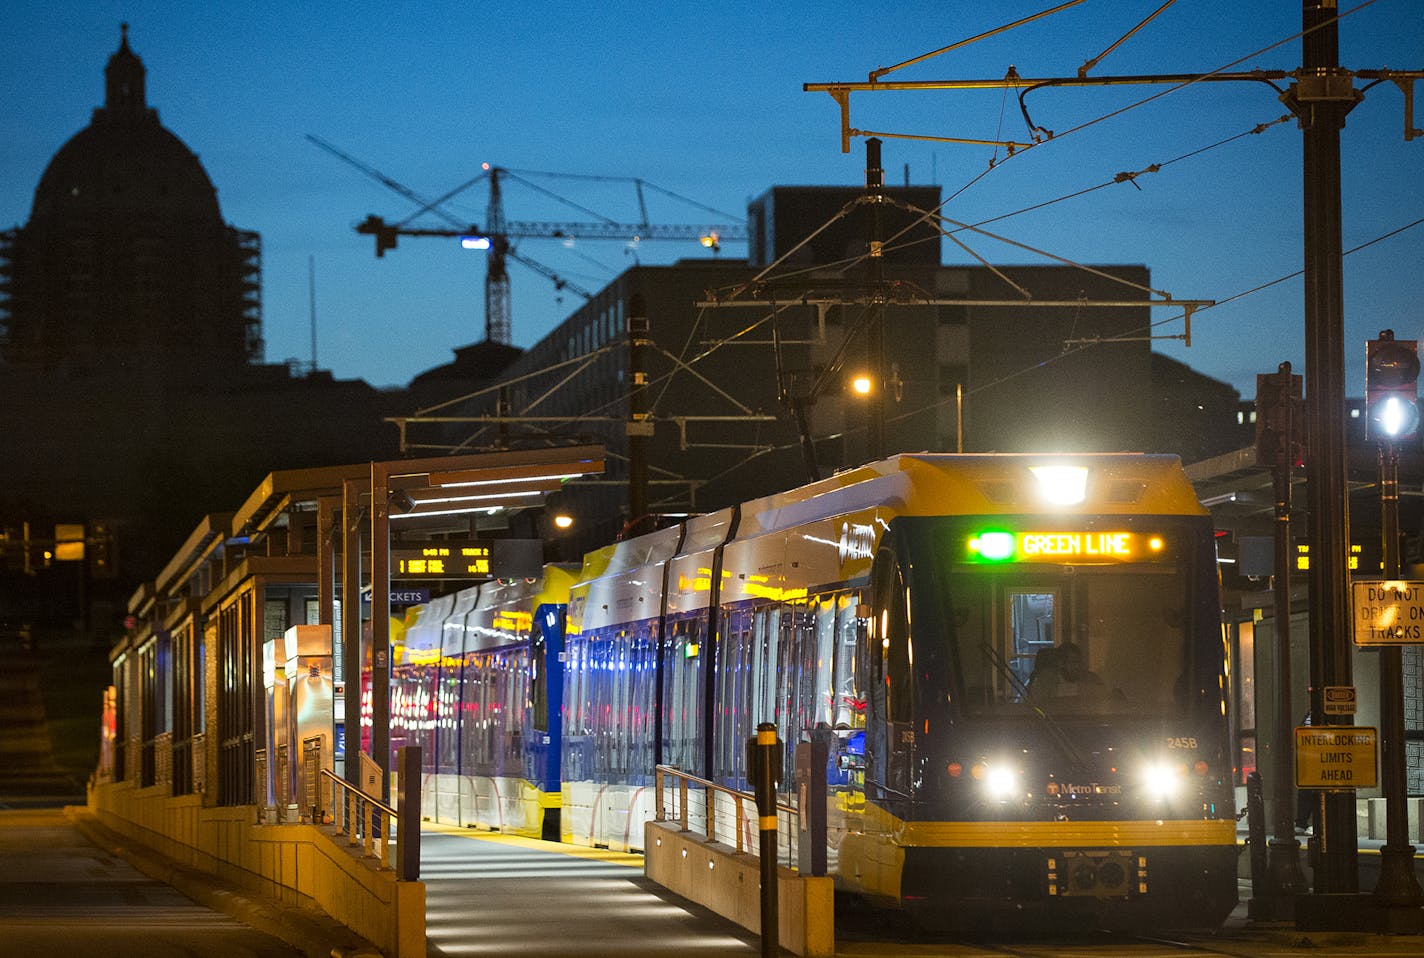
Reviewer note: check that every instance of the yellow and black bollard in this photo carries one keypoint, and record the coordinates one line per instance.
(764, 763)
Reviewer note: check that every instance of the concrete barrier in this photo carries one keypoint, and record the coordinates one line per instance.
(728, 882)
(298, 865)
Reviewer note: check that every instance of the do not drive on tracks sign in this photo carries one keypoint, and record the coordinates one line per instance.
(1389, 612)
(1336, 757)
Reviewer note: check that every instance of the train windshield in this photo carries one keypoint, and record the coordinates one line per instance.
(1090, 622)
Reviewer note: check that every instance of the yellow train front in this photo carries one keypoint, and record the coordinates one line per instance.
(1037, 724)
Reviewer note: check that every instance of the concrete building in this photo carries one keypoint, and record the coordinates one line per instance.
(732, 352)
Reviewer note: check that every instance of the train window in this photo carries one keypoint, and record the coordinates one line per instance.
(762, 706)
(682, 684)
(821, 650)
(1118, 636)
(849, 706)
(1030, 622)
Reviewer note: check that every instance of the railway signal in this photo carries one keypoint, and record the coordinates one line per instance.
(1279, 416)
(1391, 388)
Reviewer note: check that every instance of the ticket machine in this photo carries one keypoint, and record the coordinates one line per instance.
(310, 730)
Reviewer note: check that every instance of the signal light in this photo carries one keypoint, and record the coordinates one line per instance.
(993, 546)
(1391, 388)
(1279, 418)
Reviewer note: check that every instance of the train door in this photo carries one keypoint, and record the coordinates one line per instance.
(890, 732)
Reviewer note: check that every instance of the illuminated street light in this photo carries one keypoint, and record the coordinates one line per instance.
(861, 385)
(563, 521)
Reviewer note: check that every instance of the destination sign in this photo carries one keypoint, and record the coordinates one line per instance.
(1389, 612)
(1066, 546)
(1335, 757)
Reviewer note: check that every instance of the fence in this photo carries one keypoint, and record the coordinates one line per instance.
(730, 817)
(372, 824)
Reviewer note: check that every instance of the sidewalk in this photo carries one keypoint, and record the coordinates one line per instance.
(309, 932)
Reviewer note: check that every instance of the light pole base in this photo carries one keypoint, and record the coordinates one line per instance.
(1349, 912)
(1398, 885)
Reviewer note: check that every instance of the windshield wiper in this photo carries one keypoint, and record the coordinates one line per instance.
(1055, 731)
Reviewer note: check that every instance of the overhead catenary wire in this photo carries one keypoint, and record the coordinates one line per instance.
(1196, 78)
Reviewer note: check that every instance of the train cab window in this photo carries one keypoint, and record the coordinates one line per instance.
(1119, 636)
(1030, 634)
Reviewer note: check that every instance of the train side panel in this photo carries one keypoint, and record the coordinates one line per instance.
(610, 675)
(440, 796)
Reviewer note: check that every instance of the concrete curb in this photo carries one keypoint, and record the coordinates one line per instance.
(311, 932)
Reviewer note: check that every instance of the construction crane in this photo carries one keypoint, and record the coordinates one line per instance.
(498, 232)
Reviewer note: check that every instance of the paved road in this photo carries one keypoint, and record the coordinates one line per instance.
(61, 897)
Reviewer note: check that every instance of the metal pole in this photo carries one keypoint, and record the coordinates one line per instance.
(351, 626)
(875, 329)
(767, 774)
(408, 762)
(638, 423)
(381, 626)
(1286, 877)
(1321, 98)
(1398, 885)
(1256, 838)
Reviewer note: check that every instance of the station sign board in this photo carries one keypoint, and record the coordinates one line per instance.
(464, 559)
(1336, 757)
(1389, 612)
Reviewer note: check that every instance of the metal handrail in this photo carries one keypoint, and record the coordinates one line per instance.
(367, 821)
(710, 827)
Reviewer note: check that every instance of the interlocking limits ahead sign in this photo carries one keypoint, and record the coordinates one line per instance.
(1336, 756)
(1389, 612)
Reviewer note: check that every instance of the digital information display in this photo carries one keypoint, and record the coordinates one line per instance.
(442, 560)
(1044, 545)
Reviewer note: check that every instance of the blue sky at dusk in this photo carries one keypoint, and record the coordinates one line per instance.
(706, 100)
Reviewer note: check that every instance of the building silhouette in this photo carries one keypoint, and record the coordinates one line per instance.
(126, 263)
(131, 361)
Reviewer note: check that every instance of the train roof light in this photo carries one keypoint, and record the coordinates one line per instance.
(1061, 485)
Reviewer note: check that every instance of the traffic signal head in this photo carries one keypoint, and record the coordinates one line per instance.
(1280, 420)
(1391, 388)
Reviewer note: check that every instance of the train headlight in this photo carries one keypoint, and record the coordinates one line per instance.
(1000, 782)
(1163, 780)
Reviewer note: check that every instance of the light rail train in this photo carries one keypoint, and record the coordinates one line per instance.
(1016, 661)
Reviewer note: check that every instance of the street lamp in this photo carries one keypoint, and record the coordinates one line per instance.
(861, 385)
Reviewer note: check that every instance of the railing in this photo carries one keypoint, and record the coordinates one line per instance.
(370, 824)
(366, 821)
(743, 813)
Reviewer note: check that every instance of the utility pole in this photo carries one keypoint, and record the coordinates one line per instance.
(1320, 98)
(639, 426)
(875, 329)
(1277, 425)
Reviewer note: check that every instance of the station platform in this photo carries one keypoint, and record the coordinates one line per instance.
(493, 894)
(488, 893)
